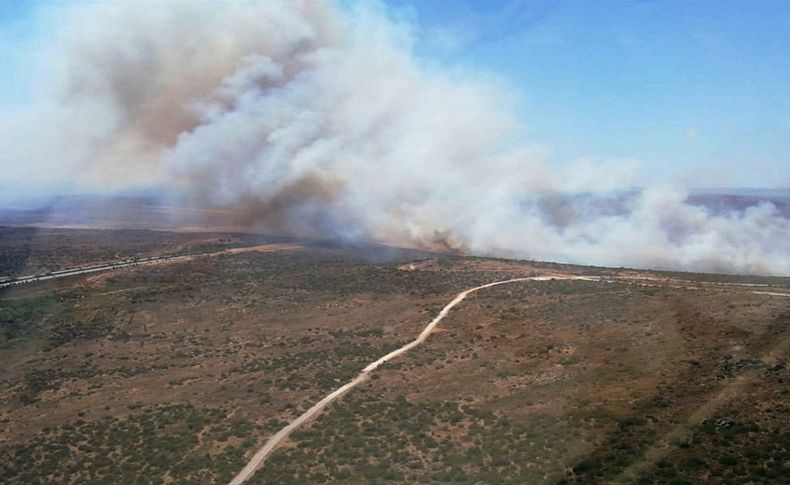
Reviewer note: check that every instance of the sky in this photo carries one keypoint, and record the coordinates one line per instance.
(499, 128)
(692, 89)
(696, 91)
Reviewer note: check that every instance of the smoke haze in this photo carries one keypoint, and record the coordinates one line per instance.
(321, 121)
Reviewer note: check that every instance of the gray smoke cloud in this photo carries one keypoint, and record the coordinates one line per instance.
(322, 121)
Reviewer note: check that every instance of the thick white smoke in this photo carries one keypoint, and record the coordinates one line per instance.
(322, 121)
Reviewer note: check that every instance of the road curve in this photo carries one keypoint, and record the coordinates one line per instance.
(260, 456)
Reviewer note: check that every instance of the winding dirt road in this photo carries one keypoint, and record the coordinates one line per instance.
(260, 456)
(277, 439)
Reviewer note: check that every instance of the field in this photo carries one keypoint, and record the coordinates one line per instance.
(177, 373)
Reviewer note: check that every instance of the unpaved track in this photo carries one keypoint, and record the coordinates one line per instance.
(702, 285)
(770, 293)
(260, 456)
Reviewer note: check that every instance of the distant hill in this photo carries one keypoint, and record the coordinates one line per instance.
(156, 212)
(107, 211)
(727, 200)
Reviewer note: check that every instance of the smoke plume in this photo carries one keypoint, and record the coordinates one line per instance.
(322, 121)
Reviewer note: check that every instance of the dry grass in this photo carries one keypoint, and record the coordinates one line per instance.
(175, 372)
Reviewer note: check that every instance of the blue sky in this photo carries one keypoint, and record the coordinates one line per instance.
(17, 36)
(696, 90)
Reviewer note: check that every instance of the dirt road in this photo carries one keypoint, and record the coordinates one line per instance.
(260, 456)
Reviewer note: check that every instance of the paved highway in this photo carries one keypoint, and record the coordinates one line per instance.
(94, 269)
(141, 261)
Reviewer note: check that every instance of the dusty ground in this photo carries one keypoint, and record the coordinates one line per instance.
(175, 373)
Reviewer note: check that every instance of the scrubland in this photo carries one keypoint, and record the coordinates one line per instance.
(177, 373)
